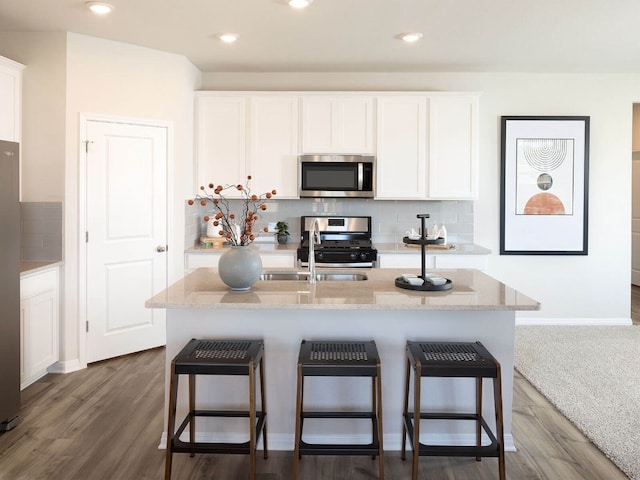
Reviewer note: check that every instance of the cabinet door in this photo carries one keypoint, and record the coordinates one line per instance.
(317, 124)
(24, 367)
(461, 261)
(452, 147)
(273, 156)
(10, 99)
(221, 133)
(401, 139)
(337, 124)
(42, 332)
(354, 125)
(404, 260)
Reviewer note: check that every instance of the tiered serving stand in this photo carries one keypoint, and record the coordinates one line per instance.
(423, 242)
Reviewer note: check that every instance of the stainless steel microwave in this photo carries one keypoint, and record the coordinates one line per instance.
(336, 176)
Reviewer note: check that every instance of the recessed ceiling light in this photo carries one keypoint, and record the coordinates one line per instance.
(299, 3)
(228, 37)
(409, 37)
(101, 8)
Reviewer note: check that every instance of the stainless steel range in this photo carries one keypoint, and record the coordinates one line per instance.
(344, 242)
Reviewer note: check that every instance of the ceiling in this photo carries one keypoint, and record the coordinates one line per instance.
(359, 35)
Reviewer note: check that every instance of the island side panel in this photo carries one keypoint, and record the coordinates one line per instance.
(283, 330)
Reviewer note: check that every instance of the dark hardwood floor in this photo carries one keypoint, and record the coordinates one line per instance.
(105, 422)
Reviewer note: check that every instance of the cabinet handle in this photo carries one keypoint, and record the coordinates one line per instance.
(161, 248)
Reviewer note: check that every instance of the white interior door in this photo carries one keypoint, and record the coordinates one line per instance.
(126, 205)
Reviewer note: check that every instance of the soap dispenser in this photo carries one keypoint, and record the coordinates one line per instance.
(443, 233)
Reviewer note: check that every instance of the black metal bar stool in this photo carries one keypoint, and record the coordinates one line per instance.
(340, 359)
(453, 359)
(217, 357)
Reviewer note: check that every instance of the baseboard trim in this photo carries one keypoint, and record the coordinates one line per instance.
(285, 442)
(572, 321)
(66, 366)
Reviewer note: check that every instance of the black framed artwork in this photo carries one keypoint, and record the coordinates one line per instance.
(544, 201)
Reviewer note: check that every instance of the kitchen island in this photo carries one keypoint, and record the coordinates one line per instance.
(283, 312)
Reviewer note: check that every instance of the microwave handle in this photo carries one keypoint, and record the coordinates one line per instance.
(360, 176)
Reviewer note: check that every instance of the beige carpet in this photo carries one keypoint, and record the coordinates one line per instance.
(592, 375)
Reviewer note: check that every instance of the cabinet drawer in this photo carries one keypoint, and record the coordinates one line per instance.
(38, 283)
(201, 261)
(461, 261)
(403, 260)
(211, 260)
(278, 261)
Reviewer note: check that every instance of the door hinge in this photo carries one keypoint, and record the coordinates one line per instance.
(86, 237)
(87, 326)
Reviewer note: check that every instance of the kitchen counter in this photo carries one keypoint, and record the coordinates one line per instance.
(266, 247)
(291, 247)
(28, 268)
(472, 290)
(283, 313)
(459, 249)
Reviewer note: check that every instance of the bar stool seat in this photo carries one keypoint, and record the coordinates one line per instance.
(217, 357)
(340, 359)
(453, 359)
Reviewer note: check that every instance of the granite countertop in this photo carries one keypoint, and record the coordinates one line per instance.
(28, 268)
(264, 248)
(472, 290)
(459, 249)
(291, 247)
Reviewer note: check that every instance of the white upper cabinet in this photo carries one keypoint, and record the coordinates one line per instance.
(273, 152)
(239, 135)
(427, 147)
(221, 135)
(453, 138)
(401, 156)
(426, 144)
(10, 100)
(337, 124)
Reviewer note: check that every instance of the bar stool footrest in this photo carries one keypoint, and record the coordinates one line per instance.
(369, 415)
(491, 450)
(371, 449)
(341, 448)
(179, 446)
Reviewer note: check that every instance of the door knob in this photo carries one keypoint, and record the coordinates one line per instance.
(161, 248)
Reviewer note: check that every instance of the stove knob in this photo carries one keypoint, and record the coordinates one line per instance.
(319, 256)
(363, 256)
(353, 256)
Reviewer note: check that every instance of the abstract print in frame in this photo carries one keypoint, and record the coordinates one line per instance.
(544, 188)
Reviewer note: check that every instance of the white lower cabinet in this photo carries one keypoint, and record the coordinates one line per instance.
(414, 260)
(39, 324)
(404, 260)
(211, 259)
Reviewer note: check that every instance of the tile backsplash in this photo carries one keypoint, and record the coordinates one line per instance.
(41, 231)
(390, 219)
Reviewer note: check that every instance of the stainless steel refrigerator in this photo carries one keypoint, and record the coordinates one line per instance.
(9, 286)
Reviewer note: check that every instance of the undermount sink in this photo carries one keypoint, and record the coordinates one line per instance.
(320, 277)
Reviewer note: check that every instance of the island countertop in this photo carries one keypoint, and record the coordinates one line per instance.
(472, 290)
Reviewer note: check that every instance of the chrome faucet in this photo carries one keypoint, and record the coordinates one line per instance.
(314, 239)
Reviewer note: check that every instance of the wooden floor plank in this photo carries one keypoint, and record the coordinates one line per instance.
(105, 423)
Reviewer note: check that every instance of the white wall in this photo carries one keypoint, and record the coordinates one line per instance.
(43, 111)
(70, 74)
(112, 78)
(570, 288)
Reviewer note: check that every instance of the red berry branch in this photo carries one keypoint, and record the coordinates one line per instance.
(237, 230)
